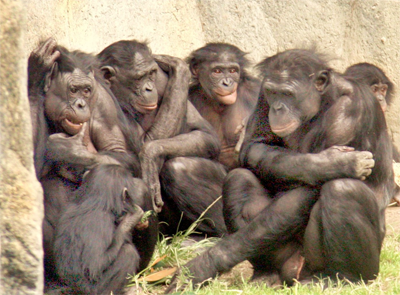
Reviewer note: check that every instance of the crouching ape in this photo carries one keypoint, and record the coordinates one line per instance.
(310, 201)
(93, 245)
(77, 124)
(177, 145)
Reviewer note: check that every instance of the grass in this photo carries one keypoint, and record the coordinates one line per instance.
(176, 252)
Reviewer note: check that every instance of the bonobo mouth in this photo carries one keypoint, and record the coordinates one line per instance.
(147, 107)
(226, 97)
(285, 130)
(71, 127)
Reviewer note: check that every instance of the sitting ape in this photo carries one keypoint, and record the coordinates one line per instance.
(75, 127)
(382, 88)
(177, 144)
(308, 148)
(93, 244)
(223, 92)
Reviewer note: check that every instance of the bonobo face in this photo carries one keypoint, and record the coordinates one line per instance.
(220, 78)
(380, 91)
(291, 103)
(68, 100)
(137, 85)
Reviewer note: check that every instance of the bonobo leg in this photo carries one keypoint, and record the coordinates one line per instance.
(57, 192)
(190, 185)
(244, 198)
(273, 228)
(344, 233)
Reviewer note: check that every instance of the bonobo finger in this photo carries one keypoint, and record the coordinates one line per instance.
(58, 135)
(138, 212)
(44, 47)
(370, 163)
(367, 155)
(48, 52)
(81, 132)
(157, 204)
(163, 61)
(343, 148)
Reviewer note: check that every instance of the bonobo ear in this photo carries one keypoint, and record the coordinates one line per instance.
(125, 194)
(194, 69)
(50, 76)
(108, 73)
(322, 80)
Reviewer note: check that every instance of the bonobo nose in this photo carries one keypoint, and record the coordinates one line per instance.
(227, 82)
(277, 107)
(80, 103)
(149, 87)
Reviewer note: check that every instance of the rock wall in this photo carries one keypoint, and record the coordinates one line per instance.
(349, 31)
(21, 201)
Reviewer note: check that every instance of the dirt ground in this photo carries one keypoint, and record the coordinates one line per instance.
(393, 220)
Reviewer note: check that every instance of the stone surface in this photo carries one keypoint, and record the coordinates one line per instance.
(21, 209)
(350, 31)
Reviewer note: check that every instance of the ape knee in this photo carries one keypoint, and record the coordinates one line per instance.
(347, 190)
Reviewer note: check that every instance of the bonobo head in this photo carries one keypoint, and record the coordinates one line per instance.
(69, 90)
(120, 195)
(133, 75)
(219, 68)
(295, 85)
(374, 77)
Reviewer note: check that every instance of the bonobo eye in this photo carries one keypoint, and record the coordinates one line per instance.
(233, 70)
(73, 90)
(87, 91)
(374, 88)
(217, 71)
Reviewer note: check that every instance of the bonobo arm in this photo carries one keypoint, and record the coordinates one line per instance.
(200, 140)
(109, 252)
(264, 153)
(169, 119)
(40, 63)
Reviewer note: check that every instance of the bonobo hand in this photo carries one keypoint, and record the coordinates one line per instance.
(173, 66)
(40, 62)
(350, 163)
(151, 162)
(69, 149)
(130, 220)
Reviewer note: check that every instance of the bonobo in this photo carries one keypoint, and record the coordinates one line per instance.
(373, 76)
(93, 245)
(383, 90)
(307, 201)
(223, 92)
(76, 126)
(177, 145)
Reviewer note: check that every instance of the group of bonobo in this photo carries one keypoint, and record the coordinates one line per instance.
(125, 131)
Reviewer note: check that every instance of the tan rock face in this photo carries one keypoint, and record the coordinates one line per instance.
(21, 200)
(348, 31)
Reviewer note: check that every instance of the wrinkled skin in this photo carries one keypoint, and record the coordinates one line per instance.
(311, 199)
(223, 93)
(175, 141)
(75, 128)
